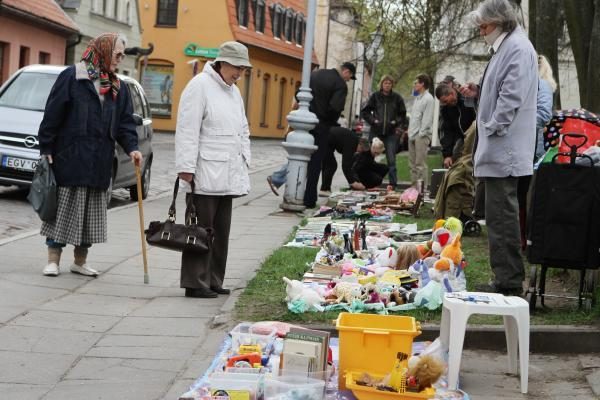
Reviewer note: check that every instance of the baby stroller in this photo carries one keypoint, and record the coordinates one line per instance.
(563, 221)
(455, 195)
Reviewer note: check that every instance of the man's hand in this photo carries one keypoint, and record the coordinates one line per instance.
(357, 186)
(375, 122)
(136, 157)
(49, 157)
(469, 90)
(448, 162)
(186, 176)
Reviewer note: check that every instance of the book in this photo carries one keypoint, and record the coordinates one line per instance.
(300, 356)
(315, 336)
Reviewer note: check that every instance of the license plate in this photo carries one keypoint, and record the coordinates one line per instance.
(22, 164)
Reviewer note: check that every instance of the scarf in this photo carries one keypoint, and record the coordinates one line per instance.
(97, 58)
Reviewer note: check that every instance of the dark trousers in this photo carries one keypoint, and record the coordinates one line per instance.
(313, 170)
(391, 145)
(502, 221)
(206, 270)
(522, 195)
(373, 177)
(479, 201)
(329, 167)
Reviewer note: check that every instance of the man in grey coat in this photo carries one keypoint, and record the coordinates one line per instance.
(506, 134)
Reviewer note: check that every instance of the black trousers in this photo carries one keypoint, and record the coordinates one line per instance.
(206, 270)
(373, 178)
(313, 170)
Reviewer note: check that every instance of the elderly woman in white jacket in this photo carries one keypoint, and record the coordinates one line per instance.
(212, 148)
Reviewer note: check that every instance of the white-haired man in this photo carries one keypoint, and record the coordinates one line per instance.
(506, 135)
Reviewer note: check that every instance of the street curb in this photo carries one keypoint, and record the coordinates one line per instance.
(543, 339)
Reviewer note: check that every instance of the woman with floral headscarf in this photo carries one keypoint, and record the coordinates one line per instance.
(88, 109)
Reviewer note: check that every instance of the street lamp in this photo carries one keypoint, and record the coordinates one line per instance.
(299, 142)
(375, 52)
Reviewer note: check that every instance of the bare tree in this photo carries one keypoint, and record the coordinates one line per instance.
(583, 21)
(418, 34)
(546, 30)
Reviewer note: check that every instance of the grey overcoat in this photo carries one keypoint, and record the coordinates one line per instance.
(506, 116)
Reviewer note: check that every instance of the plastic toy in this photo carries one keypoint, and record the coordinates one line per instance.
(296, 290)
(423, 372)
(250, 360)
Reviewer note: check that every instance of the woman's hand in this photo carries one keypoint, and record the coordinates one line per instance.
(186, 176)
(136, 157)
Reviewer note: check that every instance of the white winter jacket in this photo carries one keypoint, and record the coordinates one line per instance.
(212, 139)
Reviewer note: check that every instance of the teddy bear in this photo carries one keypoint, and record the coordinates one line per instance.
(295, 290)
(423, 372)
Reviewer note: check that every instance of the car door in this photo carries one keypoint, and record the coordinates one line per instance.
(125, 175)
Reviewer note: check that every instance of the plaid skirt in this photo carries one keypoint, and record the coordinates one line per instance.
(80, 217)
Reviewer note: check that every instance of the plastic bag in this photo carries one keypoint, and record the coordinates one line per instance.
(43, 193)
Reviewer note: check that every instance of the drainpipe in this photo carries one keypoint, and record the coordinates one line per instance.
(69, 46)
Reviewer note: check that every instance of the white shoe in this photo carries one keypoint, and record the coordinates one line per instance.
(83, 270)
(324, 193)
(51, 269)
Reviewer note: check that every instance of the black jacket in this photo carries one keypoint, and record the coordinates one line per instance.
(389, 110)
(329, 92)
(367, 171)
(80, 133)
(455, 122)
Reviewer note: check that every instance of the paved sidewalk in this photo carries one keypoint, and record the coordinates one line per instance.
(113, 337)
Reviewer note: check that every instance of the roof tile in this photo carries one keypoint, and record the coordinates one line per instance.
(44, 9)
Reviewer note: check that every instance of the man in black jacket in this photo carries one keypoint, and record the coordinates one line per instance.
(329, 92)
(386, 113)
(345, 142)
(456, 119)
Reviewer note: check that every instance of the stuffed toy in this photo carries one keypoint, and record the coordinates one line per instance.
(399, 296)
(346, 292)
(407, 254)
(425, 249)
(370, 294)
(388, 258)
(296, 290)
(419, 270)
(423, 372)
(441, 237)
(454, 225)
(438, 224)
(450, 254)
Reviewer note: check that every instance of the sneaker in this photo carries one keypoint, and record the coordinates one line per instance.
(273, 188)
(83, 270)
(51, 269)
(324, 193)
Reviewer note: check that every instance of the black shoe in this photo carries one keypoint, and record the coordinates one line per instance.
(220, 290)
(491, 288)
(200, 293)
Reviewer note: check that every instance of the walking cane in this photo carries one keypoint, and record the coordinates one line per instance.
(138, 174)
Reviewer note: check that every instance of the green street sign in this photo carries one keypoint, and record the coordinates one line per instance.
(193, 50)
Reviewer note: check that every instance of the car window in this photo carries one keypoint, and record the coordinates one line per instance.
(29, 90)
(144, 102)
(137, 101)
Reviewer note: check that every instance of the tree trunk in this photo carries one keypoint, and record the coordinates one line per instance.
(592, 102)
(579, 16)
(533, 22)
(548, 24)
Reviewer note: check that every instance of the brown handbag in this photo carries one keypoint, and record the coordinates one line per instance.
(180, 237)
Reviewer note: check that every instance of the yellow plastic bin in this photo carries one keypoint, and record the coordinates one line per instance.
(370, 342)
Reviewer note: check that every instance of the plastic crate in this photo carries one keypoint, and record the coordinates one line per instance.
(287, 387)
(246, 333)
(370, 342)
(371, 393)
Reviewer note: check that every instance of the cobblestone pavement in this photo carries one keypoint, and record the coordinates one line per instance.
(17, 216)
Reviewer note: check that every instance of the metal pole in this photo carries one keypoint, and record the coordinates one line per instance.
(300, 143)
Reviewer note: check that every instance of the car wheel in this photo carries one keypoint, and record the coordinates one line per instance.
(146, 176)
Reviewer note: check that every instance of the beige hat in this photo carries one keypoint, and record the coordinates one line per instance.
(234, 53)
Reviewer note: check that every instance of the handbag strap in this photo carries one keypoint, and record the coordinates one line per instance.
(189, 202)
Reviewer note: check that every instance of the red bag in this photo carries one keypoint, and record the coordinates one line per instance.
(573, 125)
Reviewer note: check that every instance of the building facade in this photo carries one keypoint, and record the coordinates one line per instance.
(32, 32)
(95, 17)
(187, 33)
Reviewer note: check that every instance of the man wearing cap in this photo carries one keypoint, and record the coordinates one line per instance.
(212, 157)
(329, 92)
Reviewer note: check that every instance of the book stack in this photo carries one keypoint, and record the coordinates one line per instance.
(305, 352)
(333, 271)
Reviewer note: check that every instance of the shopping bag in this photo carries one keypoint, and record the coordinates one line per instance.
(43, 192)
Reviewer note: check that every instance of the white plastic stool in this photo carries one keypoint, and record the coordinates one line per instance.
(455, 314)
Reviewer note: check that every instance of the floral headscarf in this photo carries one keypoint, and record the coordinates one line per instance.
(98, 57)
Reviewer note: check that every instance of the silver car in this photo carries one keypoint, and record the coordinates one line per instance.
(22, 102)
